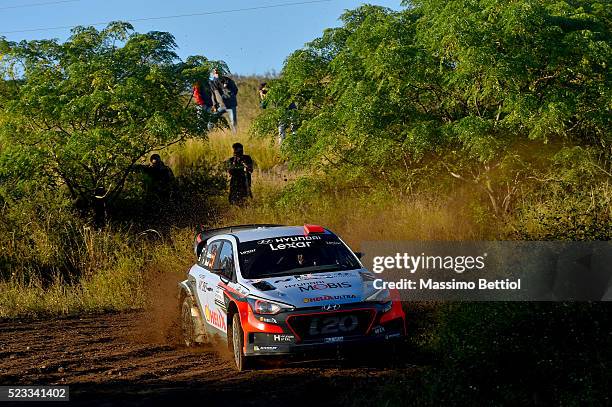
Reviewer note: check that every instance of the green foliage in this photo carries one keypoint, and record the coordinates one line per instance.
(507, 354)
(565, 207)
(442, 80)
(82, 113)
(529, 353)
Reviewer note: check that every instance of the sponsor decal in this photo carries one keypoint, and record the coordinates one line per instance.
(305, 283)
(288, 239)
(256, 348)
(324, 286)
(334, 339)
(283, 338)
(295, 245)
(305, 277)
(282, 281)
(379, 329)
(219, 302)
(269, 320)
(202, 285)
(329, 298)
(247, 252)
(291, 239)
(215, 318)
(397, 335)
(289, 242)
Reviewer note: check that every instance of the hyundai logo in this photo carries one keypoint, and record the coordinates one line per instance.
(331, 307)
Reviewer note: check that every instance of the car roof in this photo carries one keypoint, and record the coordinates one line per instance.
(248, 235)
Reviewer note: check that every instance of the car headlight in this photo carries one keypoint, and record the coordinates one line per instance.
(266, 307)
(380, 296)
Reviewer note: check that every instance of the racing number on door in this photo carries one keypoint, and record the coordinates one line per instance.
(333, 325)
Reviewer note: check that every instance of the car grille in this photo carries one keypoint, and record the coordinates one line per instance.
(331, 324)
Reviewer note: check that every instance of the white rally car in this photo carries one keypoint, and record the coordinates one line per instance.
(277, 290)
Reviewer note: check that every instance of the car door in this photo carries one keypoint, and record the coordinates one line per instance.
(222, 274)
(206, 280)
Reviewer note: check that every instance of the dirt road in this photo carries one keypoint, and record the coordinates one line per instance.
(125, 358)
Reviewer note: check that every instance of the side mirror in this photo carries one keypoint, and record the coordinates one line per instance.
(223, 273)
(359, 255)
(199, 248)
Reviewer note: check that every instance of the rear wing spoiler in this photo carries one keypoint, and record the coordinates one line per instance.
(202, 235)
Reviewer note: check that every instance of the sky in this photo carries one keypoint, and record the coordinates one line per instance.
(254, 41)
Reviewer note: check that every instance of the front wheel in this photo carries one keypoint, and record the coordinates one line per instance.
(237, 342)
(187, 322)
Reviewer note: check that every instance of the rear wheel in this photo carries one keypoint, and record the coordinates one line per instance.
(237, 341)
(187, 322)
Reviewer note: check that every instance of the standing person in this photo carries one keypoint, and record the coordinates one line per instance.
(99, 207)
(202, 94)
(288, 120)
(159, 179)
(263, 92)
(239, 168)
(224, 92)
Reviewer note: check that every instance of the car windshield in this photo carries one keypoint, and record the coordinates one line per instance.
(293, 255)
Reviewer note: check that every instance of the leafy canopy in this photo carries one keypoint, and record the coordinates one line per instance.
(459, 80)
(82, 113)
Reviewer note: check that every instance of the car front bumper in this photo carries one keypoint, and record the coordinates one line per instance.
(292, 332)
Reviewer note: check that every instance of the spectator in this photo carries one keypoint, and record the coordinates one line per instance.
(239, 168)
(99, 207)
(159, 179)
(288, 120)
(263, 92)
(224, 94)
(202, 94)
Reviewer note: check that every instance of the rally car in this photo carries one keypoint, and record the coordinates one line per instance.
(278, 290)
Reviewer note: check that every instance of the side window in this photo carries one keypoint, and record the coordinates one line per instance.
(202, 257)
(226, 260)
(210, 255)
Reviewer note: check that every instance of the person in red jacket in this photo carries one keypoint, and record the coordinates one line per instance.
(202, 95)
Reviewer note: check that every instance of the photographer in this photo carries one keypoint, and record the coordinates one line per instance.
(239, 168)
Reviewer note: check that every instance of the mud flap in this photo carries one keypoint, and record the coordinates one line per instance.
(200, 335)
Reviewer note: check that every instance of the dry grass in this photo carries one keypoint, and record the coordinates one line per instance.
(115, 265)
(363, 216)
(121, 282)
(218, 147)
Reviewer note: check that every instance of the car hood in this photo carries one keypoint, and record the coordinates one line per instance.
(308, 290)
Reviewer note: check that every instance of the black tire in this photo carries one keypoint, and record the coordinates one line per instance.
(187, 323)
(237, 344)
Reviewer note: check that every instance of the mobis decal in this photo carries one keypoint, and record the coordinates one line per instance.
(325, 286)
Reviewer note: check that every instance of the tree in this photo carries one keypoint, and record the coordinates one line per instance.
(83, 113)
(473, 85)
